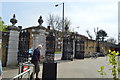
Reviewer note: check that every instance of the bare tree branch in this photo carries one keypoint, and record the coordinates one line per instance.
(56, 22)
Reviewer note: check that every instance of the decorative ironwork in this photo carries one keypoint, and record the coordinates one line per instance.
(79, 49)
(23, 53)
(67, 53)
(50, 47)
(5, 42)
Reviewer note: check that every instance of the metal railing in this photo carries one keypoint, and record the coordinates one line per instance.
(21, 74)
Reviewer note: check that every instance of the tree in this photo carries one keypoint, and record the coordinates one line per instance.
(89, 34)
(111, 40)
(2, 26)
(101, 34)
(56, 22)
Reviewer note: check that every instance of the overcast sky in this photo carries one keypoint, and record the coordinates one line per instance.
(87, 14)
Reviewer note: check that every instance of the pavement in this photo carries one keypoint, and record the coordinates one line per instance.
(78, 68)
(12, 71)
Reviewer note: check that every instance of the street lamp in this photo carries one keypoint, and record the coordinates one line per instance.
(62, 15)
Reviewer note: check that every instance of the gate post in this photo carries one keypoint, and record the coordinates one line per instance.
(13, 42)
(39, 35)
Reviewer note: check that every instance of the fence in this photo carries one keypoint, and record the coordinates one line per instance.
(23, 72)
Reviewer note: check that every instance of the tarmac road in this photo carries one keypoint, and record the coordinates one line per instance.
(78, 68)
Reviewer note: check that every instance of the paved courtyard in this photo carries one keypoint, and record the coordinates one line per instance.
(78, 68)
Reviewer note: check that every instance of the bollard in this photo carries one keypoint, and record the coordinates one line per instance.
(49, 71)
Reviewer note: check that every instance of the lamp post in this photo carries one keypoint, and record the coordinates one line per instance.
(62, 15)
(62, 28)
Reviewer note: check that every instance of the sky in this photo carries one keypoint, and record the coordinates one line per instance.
(85, 14)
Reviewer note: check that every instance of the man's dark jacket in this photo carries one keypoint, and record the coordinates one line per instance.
(36, 55)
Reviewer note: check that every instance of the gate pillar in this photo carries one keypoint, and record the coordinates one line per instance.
(13, 43)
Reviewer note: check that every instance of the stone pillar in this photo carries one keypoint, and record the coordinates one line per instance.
(35, 41)
(39, 38)
(13, 48)
(13, 43)
(42, 40)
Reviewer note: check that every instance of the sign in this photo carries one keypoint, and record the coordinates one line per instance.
(25, 68)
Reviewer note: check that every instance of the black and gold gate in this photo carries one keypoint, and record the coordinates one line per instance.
(79, 49)
(23, 49)
(67, 48)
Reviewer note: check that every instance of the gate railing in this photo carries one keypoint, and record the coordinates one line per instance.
(21, 74)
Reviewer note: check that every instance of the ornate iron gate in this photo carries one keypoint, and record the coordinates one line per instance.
(23, 49)
(67, 49)
(50, 47)
(79, 49)
(5, 39)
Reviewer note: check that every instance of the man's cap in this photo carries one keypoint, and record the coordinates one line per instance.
(39, 45)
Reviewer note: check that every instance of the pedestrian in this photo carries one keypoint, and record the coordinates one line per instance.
(0, 70)
(36, 60)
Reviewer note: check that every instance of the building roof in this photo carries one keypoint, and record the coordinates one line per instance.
(83, 36)
(33, 27)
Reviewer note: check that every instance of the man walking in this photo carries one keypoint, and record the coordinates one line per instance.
(36, 60)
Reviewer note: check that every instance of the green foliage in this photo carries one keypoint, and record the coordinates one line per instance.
(118, 69)
(113, 62)
(2, 26)
(101, 71)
